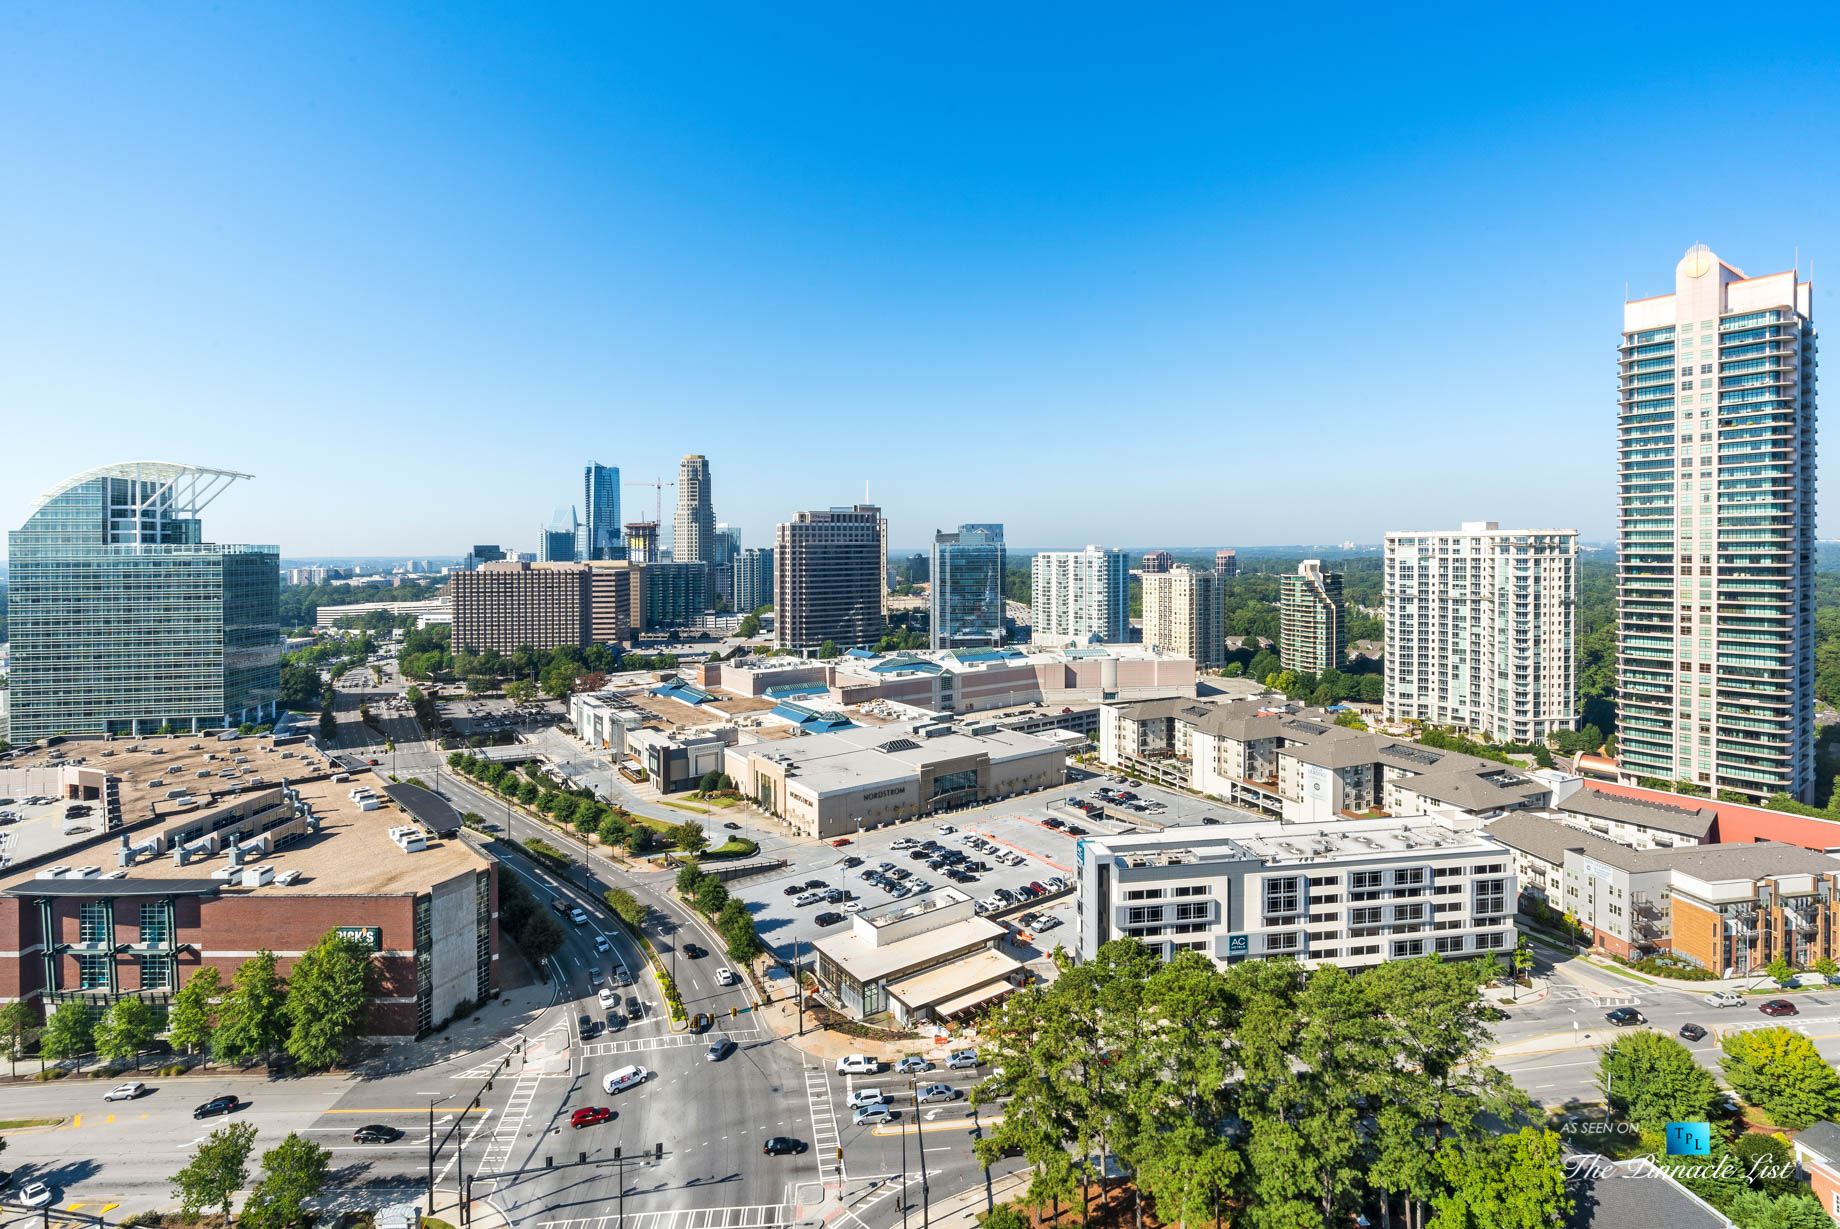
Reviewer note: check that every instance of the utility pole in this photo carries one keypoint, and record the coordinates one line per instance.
(621, 1162)
(913, 1090)
(431, 1149)
(903, 1178)
(798, 996)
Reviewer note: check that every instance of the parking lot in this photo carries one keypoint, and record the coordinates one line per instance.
(472, 715)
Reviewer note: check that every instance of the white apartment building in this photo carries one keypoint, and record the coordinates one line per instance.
(1351, 892)
(1183, 615)
(1082, 596)
(1715, 546)
(1480, 630)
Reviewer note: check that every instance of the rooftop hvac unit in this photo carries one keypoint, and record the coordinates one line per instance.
(286, 877)
(226, 873)
(53, 872)
(86, 872)
(258, 876)
(116, 874)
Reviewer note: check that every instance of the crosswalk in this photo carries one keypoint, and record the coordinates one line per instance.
(825, 1139)
(667, 1041)
(510, 1122)
(746, 1216)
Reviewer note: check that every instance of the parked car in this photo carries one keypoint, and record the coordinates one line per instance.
(125, 1092)
(1623, 1017)
(809, 898)
(817, 885)
(912, 1065)
(782, 1145)
(852, 860)
(962, 1059)
(217, 1105)
(590, 1116)
(1778, 1007)
(793, 889)
(1725, 998)
(1692, 1032)
(829, 919)
(376, 1133)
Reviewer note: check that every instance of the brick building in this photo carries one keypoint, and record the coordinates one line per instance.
(206, 851)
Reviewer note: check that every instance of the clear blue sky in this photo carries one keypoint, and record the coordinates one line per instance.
(1104, 274)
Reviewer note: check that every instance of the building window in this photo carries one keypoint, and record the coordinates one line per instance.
(153, 925)
(96, 922)
(1491, 897)
(1408, 914)
(1450, 943)
(1286, 942)
(1144, 894)
(1144, 915)
(92, 971)
(1196, 911)
(1408, 947)
(156, 973)
(1192, 889)
(1282, 897)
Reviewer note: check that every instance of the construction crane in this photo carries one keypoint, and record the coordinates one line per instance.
(658, 486)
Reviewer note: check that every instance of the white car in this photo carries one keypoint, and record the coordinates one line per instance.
(608, 997)
(870, 1114)
(36, 1195)
(125, 1092)
(601, 944)
(912, 1065)
(903, 843)
(858, 1064)
(725, 977)
(1724, 998)
(866, 1096)
(945, 829)
(854, 906)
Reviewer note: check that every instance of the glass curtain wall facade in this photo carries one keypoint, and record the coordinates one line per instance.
(1715, 550)
(967, 595)
(123, 620)
(600, 536)
(754, 578)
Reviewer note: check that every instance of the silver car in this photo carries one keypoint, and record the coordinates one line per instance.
(930, 1093)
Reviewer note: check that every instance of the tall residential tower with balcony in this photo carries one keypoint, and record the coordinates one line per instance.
(1715, 543)
(1183, 616)
(1479, 630)
(1082, 596)
(1313, 623)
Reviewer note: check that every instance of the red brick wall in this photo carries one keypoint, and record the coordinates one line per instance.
(1825, 1183)
(1738, 824)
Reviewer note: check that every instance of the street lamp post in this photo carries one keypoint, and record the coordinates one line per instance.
(913, 1090)
(903, 1178)
(620, 1160)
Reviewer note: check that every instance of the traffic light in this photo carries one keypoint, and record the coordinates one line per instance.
(488, 1085)
(581, 1158)
(475, 1102)
(657, 1153)
(732, 1013)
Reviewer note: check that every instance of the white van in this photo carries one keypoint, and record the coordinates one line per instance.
(857, 1064)
(624, 1078)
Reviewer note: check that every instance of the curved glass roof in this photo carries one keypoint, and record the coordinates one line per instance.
(163, 472)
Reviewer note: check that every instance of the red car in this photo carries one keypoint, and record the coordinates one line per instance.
(590, 1115)
(1777, 1007)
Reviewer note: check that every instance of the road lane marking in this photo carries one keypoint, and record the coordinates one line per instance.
(471, 1109)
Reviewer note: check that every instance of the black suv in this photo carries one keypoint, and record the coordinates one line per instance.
(829, 919)
(216, 1106)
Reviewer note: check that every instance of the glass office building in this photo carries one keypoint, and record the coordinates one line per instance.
(123, 620)
(600, 536)
(967, 605)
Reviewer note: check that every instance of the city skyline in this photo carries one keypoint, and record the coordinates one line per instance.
(518, 245)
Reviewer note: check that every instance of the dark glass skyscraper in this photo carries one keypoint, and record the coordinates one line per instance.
(601, 536)
(967, 606)
(123, 620)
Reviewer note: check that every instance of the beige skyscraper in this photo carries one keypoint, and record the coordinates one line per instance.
(1715, 545)
(696, 517)
(829, 578)
(1182, 615)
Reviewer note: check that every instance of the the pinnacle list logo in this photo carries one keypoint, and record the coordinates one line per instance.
(1689, 1138)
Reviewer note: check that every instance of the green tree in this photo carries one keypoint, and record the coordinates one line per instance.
(252, 1018)
(216, 1172)
(1779, 969)
(1004, 1217)
(1768, 1161)
(750, 626)
(127, 1028)
(1504, 1182)
(736, 926)
(191, 1018)
(626, 907)
(328, 725)
(293, 1172)
(69, 1033)
(690, 837)
(18, 1027)
(828, 650)
(328, 997)
(1653, 1080)
(688, 876)
(1826, 966)
(1781, 1071)
(711, 782)
(711, 894)
(542, 937)
(1755, 1210)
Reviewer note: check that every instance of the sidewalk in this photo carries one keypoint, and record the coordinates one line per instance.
(501, 1020)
